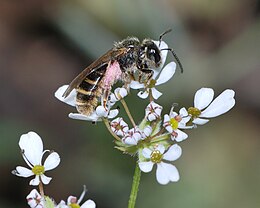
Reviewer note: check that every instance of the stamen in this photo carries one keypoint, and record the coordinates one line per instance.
(38, 170)
(156, 156)
(194, 112)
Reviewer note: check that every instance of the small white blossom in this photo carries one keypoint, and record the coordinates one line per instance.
(119, 93)
(133, 136)
(119, 126)
(174, 122)
(165, 75)
(165, 172)
(72, 201)
(97, 115)
(153, 111)
(205, 107)
(35, 200)
(32, 151)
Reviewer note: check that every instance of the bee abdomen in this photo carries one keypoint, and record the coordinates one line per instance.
(87, 95)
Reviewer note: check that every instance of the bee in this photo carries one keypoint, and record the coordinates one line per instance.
(128, 60)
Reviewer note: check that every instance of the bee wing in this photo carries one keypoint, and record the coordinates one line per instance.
(100, 62)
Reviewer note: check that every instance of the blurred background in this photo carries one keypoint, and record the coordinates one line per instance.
(45, 44)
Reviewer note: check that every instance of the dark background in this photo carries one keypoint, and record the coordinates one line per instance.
(45, 44)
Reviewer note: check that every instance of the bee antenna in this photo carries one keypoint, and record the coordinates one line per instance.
(164, 33)
(175, 56)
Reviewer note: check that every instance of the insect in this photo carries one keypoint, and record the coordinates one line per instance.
(128, 60)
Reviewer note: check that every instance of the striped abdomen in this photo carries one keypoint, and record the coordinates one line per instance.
(89, 91)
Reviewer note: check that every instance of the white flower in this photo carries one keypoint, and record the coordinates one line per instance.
(72, 201)
(119, 93)
(153, 111)
(174, 122)
(165, 172)
(97, 115)
(165, 75)
(133, 136)
(35, 200)
(119, 126)
(204, 107)
(32, 150)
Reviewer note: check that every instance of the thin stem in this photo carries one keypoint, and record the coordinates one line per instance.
(128, 112)
(41, 189)
(135, 185)
(109, 129)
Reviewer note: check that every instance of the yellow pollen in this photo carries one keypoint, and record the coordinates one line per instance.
(38, 170)
(156, 156)
(74, 205)
(174, 123)
(194, 112)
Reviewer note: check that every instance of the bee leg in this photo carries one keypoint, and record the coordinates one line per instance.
(145, 76)
(105, 99)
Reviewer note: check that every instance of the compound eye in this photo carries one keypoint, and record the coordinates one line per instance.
(154, 55)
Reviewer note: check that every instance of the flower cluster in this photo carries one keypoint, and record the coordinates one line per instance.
(32, 151)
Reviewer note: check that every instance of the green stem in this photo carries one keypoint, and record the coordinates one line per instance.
(135, 185)
(128, 112)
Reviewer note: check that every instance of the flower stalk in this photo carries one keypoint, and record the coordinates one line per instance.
(135, 187)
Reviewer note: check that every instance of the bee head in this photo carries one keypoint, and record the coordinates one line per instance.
(149, 54)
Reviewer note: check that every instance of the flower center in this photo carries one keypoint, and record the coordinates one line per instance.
(152, 83)
(174, 123)
(194, 112)
(38, 170)
(156, 156)
(74, 205)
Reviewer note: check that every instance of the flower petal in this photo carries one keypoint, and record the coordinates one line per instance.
(223, 103)
(113, 113)
(203, 98)
(161, 148)
(146, 166)
(136, 85)
(32, 147)
(164, 53)
(93, 117)
(166, 73)
(155, 93)
(166, 173)
(147, 153)
(88, 204)
(173, 153)
(52, 161)
(70, 99)
(181, 135)
(22, 172)
(35, 181)
(45, 179)
(143, 94)
(200, 121)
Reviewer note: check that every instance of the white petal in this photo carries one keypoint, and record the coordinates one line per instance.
(142, 94)
(113, 113)
(32, 146)
(223, 103)
(22, 172)
(93, 117)
(166, 173)
(161, 148)
(200, 121)
(101, 111)
(70, 99)
(136, 85)
(88, 204)
(155, 93)
(183, 112)
(146, 166)
(45, 180)
(52, 161)
(147, 153)
(147, 131)
(129, 141)
(35, 181)
(203, 98)
(166, 73)
(181, 135)
(173, 153)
